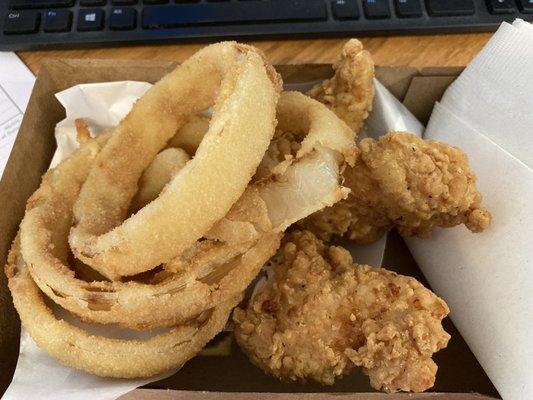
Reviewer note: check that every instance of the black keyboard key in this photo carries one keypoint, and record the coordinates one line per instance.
(17, 4)
(18, 22)
(376, 8)
(155, 1)
(408, 8)
(501, 6)
(526, 6)
(92, 3)
(443, 8)
(155, 17)
(123, 2)
(57, 20)
(123, 19)
(90, 19)
(345, 9)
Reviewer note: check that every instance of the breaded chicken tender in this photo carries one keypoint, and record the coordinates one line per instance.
(322, 314)
(402, 181)
(350, 92)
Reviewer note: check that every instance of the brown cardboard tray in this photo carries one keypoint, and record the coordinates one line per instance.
(220, 372)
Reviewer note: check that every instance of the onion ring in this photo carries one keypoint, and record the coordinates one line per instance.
(308, 181)
(106, 357)
(245, 90)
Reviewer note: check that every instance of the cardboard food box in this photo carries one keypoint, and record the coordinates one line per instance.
(221, 371)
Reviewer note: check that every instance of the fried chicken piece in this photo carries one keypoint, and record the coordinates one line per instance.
(402, 181)
(322, 314)
(350, 92)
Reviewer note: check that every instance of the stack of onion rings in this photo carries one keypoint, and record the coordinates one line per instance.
(201, 229)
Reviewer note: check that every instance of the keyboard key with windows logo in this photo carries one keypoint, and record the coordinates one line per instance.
(90, 19)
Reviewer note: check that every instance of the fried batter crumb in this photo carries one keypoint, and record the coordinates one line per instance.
(402, 181)
(322, 315)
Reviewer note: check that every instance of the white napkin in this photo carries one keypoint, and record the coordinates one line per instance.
(102, 105)
(487, 278)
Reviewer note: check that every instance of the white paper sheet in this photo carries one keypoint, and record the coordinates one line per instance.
(16, 83)
(497, 88)
(39, 376)
(101, 105)
(487, 278)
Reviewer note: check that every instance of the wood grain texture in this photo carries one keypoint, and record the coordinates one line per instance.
(414, 51)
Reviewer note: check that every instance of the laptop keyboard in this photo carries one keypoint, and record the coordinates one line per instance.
(38, 24)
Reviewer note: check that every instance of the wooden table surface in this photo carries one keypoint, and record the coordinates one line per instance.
(415, 51)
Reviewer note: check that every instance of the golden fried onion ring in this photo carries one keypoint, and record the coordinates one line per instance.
(107, 357)
(245, 90)
(309, 181)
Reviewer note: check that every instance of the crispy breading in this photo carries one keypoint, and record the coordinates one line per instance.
(350, 92)
(402, 181)
(322, 315)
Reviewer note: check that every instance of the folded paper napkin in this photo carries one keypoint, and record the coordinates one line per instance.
(487, 278)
